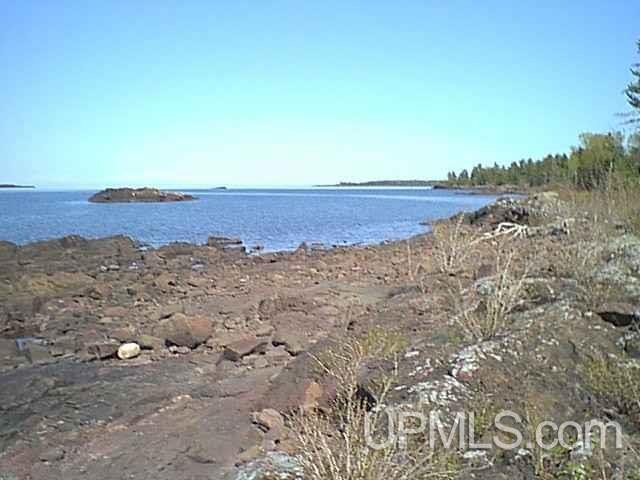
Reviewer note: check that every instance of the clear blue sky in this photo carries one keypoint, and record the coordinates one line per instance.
(284, 92)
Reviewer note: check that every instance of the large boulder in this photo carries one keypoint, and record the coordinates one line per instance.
(300, 386)
(185, 331)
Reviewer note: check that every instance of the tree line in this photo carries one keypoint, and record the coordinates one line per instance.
(598, 159)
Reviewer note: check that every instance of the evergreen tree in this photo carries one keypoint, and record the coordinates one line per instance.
(632, 91)
(598, 159)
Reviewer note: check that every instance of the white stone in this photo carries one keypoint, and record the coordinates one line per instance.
(128, 350)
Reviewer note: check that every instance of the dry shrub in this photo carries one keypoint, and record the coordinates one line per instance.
(336, 449)
(454, 245)
(418, 268)
(332, 442)
(486, 316)
(581, 258)
(582, 261)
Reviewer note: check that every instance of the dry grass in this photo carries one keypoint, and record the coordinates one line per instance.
(614, 207)
(581, 261)
(332, 442)
(599, 215)
(616, 381)
(454, 245)
(581, 256)
(486, 316)
(330, 452)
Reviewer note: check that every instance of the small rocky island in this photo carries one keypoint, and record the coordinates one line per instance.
(138, 195)
(13, 185)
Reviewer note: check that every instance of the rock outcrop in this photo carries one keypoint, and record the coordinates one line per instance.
(138, 195)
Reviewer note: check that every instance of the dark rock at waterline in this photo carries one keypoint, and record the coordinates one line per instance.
(226, 243)
(214, 241)
(138, 195)
(503, 210)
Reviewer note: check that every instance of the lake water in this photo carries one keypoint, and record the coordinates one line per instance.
(277, 219)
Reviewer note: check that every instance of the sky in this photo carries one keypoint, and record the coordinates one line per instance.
(293, 92)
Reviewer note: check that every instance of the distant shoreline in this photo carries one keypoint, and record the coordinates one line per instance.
(385, 183)
(436, 185)
(11, 185)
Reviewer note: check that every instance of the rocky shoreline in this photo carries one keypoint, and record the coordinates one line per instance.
(202, 350)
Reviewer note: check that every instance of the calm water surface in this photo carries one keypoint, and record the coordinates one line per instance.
(277, 219)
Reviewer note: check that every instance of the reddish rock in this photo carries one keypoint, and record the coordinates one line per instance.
(99, 292)
(241, 348)
(165, 282)
(149, 342)
(199, 281)
(278, 355)
(290, 340)
(171, 309)
(268, 419)
(184, 331)
(225, 338)
(103, 349)
(312, 393)
(117, 312)
(264, 330)
(248, 454)
(124, 334)
(297, 389)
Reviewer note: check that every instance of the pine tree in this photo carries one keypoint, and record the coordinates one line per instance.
(632, 91)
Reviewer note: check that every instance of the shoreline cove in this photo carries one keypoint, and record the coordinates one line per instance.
(264, 219)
